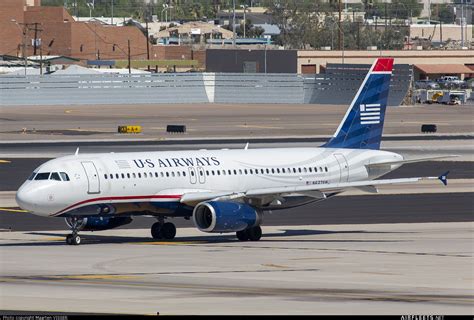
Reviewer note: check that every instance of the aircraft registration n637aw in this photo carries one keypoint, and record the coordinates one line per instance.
(221, 190)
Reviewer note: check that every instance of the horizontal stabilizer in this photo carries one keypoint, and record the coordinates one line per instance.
(401, 162)
(444, 178)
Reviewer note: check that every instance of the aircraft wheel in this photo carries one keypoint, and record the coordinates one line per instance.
(73, 239)
(156, 230)
(242, 235)
(254, 233)
(168, 231)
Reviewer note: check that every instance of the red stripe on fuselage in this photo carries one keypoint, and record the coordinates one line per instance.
(174, 196)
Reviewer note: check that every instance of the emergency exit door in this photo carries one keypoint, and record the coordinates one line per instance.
(343, 167)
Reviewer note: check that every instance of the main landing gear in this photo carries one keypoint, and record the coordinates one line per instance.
(252, 234)
(162, 230)
(74, 238)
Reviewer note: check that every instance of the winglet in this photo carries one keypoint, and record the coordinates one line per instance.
(77, 151)
(246, 146)
(444, 178)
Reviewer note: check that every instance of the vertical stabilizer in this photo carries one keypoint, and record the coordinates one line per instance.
(362, 125)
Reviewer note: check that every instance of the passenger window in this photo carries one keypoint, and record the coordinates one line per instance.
(139, 175)
(32, 176)
(184, 174)
(105, 176)
(179, 173)
(55, 176)
(123, 176)
(240, 171)
(315, 169)
(278, 170)
(299, 170)
(294, 170)
(310, 169)
(320, 169)
(168, 174)
(111, 176)
(156, 174)
(172, 174)
(128, 175)
(117, 176)
(65, 177)
(144, 175)
(245, 171)
(283, 170)
(326, 169)
(235, 172)
(229, 172)
(305, 170)
(268, 171)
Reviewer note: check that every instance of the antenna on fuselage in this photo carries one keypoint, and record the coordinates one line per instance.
(77, 151)
(246, 146)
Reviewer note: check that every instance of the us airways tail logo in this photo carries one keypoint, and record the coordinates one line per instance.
(370, 113)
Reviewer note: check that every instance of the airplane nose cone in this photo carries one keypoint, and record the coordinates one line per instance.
(24, 199)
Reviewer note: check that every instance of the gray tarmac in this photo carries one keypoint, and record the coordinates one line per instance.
(416, 268)
(407, 250)
(361, 209)
(212, 120)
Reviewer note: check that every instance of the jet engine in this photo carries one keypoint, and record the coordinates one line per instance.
(97, 223)
(225, 216)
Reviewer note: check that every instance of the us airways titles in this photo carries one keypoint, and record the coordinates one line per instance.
(177, 162)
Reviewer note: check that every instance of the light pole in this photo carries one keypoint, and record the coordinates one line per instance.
(90, 5)
(244, 6)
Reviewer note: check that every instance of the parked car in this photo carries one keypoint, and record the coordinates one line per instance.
(451, 82)
(426, 84)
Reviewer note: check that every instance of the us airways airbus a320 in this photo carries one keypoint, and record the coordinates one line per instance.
(221, 190)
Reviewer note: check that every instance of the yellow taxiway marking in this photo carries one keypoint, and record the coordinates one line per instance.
(52, 239)
(5, 161)
(12, 210)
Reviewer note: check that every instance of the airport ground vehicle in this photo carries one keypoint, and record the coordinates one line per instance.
(223, 191)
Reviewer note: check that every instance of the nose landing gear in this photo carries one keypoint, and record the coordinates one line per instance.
(75, 224)
(162, 230)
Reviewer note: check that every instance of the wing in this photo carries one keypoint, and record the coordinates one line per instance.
(316, 191)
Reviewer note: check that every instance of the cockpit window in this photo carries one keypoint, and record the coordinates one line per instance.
(55, 176)
(64, 176)
(32, 176)
(42, 176)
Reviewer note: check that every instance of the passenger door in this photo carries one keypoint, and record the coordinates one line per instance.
(92, 177)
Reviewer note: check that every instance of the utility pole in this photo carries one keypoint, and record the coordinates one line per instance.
(35, 43)
(233, 22)
(340, 29)
(129, 62)
(147, 43)
(112, 21)
(25, 30)
(462, 25)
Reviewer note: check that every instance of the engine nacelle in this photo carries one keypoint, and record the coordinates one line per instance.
(225, 216)
(98, 223)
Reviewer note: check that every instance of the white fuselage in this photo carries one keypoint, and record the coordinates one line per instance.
(136, 180)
